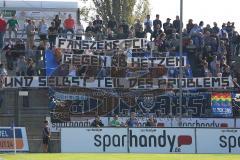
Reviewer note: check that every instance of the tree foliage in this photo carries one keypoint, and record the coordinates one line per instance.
(126, 10)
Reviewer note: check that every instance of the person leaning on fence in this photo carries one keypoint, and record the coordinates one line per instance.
(115, 122)
(132, 121)
(46, 136)
(97, 122)
(151, 122)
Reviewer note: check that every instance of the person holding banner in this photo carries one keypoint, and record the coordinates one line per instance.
(46, 136)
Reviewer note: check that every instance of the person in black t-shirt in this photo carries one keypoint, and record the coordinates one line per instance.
(157, 22)
(46, 136)
(52, 35)
(97, 23)
(89, 32)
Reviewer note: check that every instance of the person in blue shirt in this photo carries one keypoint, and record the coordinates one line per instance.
(132, 121)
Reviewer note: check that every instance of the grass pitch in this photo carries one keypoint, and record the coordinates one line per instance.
(85, 156)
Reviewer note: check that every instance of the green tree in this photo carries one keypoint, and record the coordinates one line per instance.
(142, 9)
(126, 10)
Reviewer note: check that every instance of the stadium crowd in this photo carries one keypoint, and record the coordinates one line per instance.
(210, 48)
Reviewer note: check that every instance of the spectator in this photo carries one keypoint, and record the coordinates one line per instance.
(110, 34)
(141, 34)
(132, 121)
(69, 25)
(79, 31)
(190, 25)
(17, 50)
(195, 30)
(3, 26)
(160, 42)
(167, 26)
(156, 32)
(148, 24)
(30, 67)
(57, 21)
(214, 65)
(121, 34)
(97, 24)
(43, 31)
(9, 56)
(30, 30)
(137, 27)
(215, 28)
(21, 66)
(223, 33)
(207, 29)
(157, 22)
(112, 24)
(229, 29)
(200, 26)
(89, 32)
(97, 122)
(115, 122)
(125, 28)
(24, 27)
(151, 122)
(176, 24)
(13, 26)
(52, 35)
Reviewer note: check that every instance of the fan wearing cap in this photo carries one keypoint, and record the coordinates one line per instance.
(167, 26)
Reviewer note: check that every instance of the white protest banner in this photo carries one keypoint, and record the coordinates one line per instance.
(122, 44)
(112, 82)
(122, 61)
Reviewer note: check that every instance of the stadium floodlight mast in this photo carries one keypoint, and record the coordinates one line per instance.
(181, 55)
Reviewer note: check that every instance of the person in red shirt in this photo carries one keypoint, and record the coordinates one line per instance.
(69, 25)
(3, 26)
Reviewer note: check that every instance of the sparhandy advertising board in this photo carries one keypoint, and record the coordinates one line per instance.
(218, 140)
(94, 140)
(138, 140)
